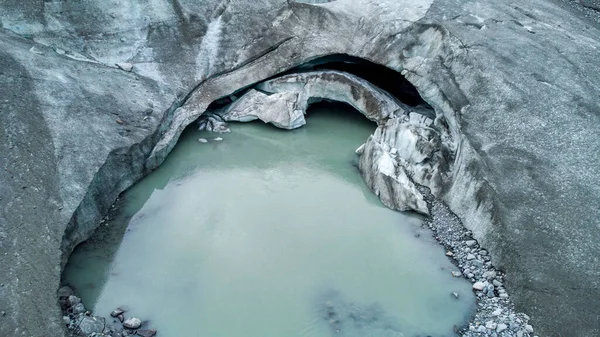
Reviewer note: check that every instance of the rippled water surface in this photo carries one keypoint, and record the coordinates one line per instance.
(269, 233)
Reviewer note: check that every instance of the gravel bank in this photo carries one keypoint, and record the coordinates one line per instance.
(495, 313)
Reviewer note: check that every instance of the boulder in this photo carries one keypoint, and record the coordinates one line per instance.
(132, 323)
(87, 325)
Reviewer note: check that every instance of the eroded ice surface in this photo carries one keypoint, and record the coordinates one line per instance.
(269, 233)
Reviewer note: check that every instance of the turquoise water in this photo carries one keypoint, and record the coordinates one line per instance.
(269, 233)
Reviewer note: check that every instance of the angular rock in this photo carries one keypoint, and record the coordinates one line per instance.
(87, 325)
(280, 109)
(117, 312)
(73, 300)
(125, 66)
(146, 333)
(479, 286)
(490, 275)
(132, 323)
(78, 308)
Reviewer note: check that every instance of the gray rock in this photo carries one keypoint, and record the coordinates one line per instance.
(132, 323)
(65, 291)
(529, 328)
(117, 312)
(78, 308)
(87, 325)
(490, 275)
(479, 286)
(213, 124)
(73, 300)
(501, 327)
(146, 333)
(280, 109)
(125, 66)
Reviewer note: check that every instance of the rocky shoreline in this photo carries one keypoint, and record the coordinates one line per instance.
(495, 314)
(81, 322)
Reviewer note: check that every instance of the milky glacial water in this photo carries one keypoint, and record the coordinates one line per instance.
(269, 233)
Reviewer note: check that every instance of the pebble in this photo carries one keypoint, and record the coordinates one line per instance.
(73, 300)
(501, 327)
(490, 275)
(132, 323)
(89, 325)
(455, 294)
(449, 253)
(78, 308)
(117, 312)
(202, 140)
(456, 274)
(67, 320)
(470, 257)
(478, 286)
(65, 291)
(529, 328)
(146, 333)
(218, 139)
(490, 325)
(471, 243)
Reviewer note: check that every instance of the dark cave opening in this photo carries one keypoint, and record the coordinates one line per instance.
(381, 76)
